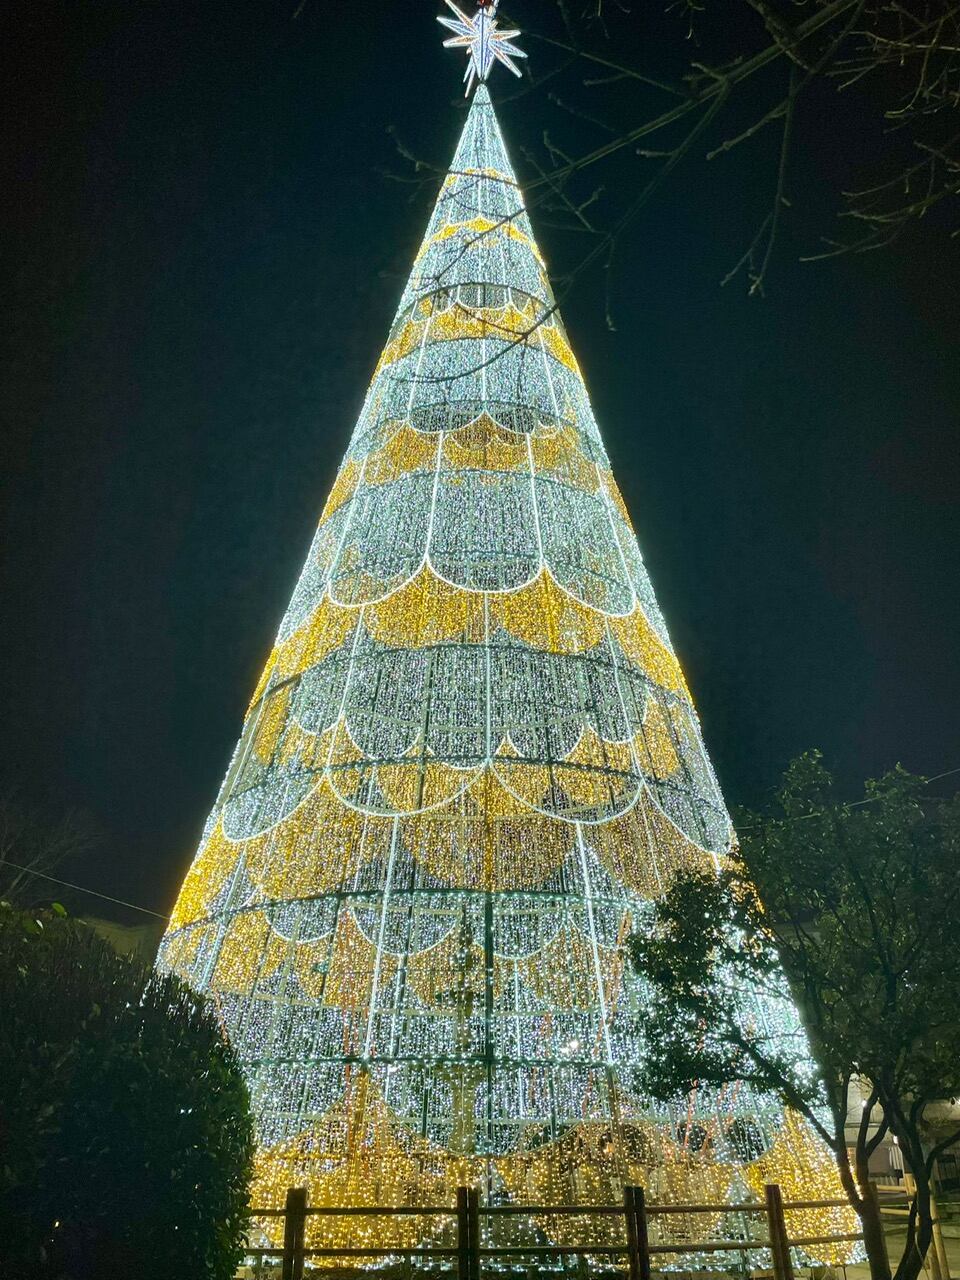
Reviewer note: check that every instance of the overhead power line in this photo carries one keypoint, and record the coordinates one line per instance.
(855, 804)
(42, 875)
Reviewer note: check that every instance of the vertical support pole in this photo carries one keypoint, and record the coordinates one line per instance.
(939, 1248)
(294, 1232)
(932, 1258)
(463, 1234)
(473, 1234)
(777, 1231)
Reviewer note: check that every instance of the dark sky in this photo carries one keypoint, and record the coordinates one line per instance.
(206, 254)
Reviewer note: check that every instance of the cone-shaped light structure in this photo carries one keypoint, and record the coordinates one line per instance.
(470, 765)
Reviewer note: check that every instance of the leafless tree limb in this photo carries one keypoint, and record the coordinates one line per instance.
(33, 844)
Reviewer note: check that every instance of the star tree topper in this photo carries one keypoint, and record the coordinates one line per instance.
(481, 39)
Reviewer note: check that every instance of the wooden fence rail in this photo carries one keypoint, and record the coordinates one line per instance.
(470, 1251)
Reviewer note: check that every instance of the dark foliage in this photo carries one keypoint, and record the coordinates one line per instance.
(125, 1135)
(855, 905)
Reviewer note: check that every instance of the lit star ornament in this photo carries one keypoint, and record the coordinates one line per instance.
(483, 42)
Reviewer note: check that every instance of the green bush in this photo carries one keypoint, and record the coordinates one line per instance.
(125, 1134)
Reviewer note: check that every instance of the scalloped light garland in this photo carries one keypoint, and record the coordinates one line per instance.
(471, 762)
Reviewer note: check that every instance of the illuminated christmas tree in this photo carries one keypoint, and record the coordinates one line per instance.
(471, 764)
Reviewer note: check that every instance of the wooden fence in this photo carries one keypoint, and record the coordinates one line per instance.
(637, 1255)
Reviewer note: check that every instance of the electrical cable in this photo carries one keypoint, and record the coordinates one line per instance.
(82, 889)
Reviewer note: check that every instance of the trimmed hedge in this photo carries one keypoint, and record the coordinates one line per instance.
(125, 1134)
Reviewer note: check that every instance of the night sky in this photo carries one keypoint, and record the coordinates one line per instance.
(205, 251)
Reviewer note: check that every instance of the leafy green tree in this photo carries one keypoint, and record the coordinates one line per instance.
(852, 909)
(125, 1136)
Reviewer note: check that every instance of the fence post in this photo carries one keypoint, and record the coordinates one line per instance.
(294, 1231)
(638, 1242)
(463, 1234)
(473, 1233)
(777, 1231)
(633, 1249)
(632, 1217)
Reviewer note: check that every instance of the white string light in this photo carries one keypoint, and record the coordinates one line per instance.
(471, 763)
